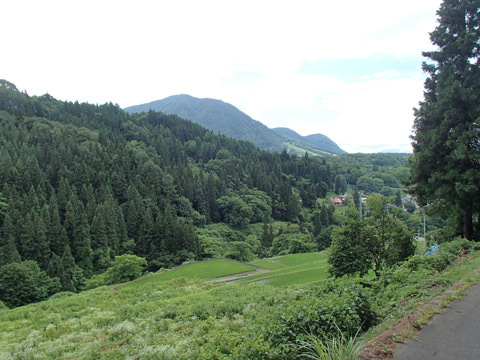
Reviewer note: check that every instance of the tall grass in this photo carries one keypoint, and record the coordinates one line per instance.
(336, 347)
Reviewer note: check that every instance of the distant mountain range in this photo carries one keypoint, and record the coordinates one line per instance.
(315, 141)
(226, 119)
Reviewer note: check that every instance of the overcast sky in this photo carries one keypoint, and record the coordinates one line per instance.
(348, 69)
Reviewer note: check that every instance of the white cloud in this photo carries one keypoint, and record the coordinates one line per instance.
(247, 53)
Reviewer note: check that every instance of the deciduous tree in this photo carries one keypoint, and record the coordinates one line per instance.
(378, 240)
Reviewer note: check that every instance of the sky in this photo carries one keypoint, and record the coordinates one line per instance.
(347, 69)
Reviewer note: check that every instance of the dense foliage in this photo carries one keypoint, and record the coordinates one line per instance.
(324, 310)
(377, 240)
(171, 315)
(82, 184)
(124, 268)
(24, 282)
(446, 167)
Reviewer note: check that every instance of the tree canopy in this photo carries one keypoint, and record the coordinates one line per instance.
(370, 243)
(445, 168)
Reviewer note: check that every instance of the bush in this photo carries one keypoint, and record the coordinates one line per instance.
(96, 281)
(446, 254)
(240, 251)
(438, 262)
(23, 283)
(124, 268)
(338, 305)
(398, 283)
(457, 246)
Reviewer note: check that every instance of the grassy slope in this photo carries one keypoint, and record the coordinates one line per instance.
(466, 270)
(166, 319)
(169, 314)
(166, 316)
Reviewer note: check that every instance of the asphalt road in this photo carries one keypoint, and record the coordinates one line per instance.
(451, 335)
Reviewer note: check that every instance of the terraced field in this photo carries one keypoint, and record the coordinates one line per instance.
(294, 269)
(204, 270)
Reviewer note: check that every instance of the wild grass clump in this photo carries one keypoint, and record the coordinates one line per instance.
(335, 347)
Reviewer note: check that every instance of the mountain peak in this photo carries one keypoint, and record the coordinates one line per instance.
(219, 116)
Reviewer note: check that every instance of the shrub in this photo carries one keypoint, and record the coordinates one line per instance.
(124, 268)
(399, 283)
(24, 282)
(338, 305)
(438, 262)
(446, 254)
(457, 246)
(96, 281)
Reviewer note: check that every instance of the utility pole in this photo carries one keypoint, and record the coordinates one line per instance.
(424, 233)
(360, 204)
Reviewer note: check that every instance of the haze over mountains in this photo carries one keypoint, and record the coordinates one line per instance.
(226, 119)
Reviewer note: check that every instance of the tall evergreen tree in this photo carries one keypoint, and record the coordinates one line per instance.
(81, 244)
(100, 238)
(34, 241)
(445, 168)
(8, 249)
(67, 277)
(144, 244)
(42, 248)
(56, 232)
(267, 236)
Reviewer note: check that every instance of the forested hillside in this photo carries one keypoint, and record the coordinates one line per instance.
(216, 116)
(88, 182)
(226, 119)
(84, 183)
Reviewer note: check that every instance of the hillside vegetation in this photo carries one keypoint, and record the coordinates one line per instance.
(224, 118)
(93, 197)
(177, 315)
(82, 184)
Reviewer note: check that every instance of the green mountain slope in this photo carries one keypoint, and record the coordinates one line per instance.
(217, 116)
(316, 141)
(226, 119)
